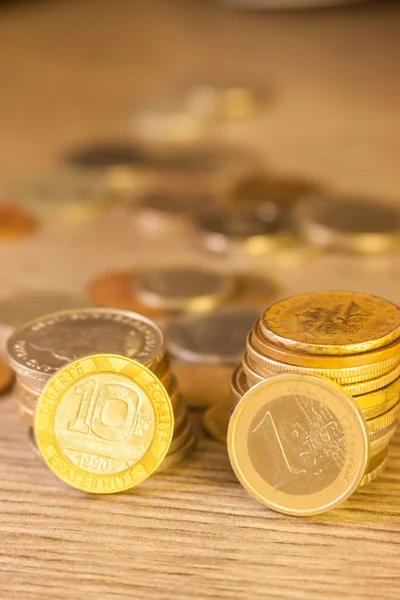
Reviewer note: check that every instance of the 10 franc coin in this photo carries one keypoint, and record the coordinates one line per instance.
(103, 423)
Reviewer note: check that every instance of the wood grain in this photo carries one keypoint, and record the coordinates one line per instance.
(73, 70)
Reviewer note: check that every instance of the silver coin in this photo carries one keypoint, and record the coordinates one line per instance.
(348, 223)
(214, 338)
(180, 288)
(38, 349)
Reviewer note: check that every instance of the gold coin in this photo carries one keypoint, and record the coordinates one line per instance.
(6, 377)
(384, 420)
(332, 323)
(268, 366)
(239, 385)
(216, 421)
(14, 221)
(182, 435)
(171, 460)
(300, 359)
(379, 442)
(378, 402)
(298, 444)
(103, 423)
(365, 387)
(375, 467)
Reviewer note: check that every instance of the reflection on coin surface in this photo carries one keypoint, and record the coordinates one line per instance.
(182, 288)
(349, 224)
(216, 420)
(103, 423)
(298, 444)
(43, 346)
(218, 337)
(332, 322)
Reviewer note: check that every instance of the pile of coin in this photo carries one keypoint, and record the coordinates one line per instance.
(100, 408)
(155, 292)
(350, 340)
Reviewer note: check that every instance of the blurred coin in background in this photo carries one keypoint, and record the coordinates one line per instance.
(348, 224)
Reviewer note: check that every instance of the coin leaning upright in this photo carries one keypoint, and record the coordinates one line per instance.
(103, 423)
(298, 444)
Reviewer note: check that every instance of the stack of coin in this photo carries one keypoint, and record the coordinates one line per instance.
(40, 350)
(157, 292)
(350, 338)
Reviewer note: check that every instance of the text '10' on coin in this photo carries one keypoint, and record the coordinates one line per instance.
(332, 323)
(103, 423)
(41, 347)
(298, 444)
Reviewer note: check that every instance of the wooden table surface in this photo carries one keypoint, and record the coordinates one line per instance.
(73, 71)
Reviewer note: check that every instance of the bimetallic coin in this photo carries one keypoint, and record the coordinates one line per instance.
(103, 423)
(214, 338)
(332, 323)
(349, 224)
(265, 365)
(223, 231)
(298, 444)
(14, 221)
(39, 348)
(301, 359)
(183, 288)
(216, 421)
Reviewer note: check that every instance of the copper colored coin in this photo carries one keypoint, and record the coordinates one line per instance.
(115, 290)
(6, 376)
(14, 221)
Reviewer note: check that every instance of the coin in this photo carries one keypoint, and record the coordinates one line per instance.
(265, 365)
(14, 221)
(204, 385)
(375, 467)
(41, 347)
(239, 385)
(222, 231)
(6, 377)
(301, 359)
(216, 421)
(101, 154)
(183, 288)
(171, 460)
(381, 441)
(69, 194)
(365, 387)
(349, 224)
(298, 444)
(280, 192)
(115, 290)
(385, 420)
(213, 338)
(181, 435)
(103, 423)
(332, 323)
(165, 204)
(378, 402)
(226, 102)
(252, 290)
